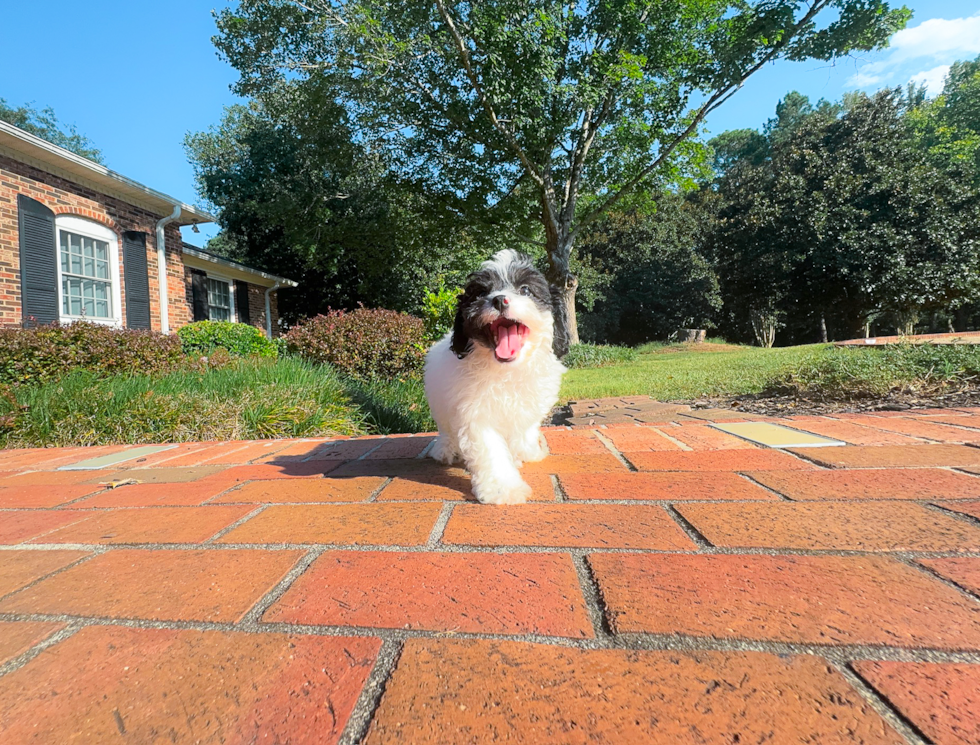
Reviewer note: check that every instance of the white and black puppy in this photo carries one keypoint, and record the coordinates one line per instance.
(494, 377)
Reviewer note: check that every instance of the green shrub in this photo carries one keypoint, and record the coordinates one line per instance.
(597, 355)
(365, 343)
(238, 339)
(860, 372)
(439, 311)
(44, 353)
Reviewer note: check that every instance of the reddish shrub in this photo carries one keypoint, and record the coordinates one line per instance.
(365, 343)
(43, 353)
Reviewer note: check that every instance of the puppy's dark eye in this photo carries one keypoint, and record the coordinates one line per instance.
(525, 290)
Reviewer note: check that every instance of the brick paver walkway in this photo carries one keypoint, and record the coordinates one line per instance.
(670, 583)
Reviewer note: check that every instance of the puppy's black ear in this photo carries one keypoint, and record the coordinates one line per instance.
(460, 343)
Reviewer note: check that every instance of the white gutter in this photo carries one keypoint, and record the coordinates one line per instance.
(268, 310)
(162, 269)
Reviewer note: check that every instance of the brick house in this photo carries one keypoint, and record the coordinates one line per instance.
(80, 241)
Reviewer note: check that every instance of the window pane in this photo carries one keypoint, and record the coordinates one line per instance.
(88, 267)
(102, 250)
(76, 263)
(64, 297)
(76, 306)
(102, 269)
(101, 309)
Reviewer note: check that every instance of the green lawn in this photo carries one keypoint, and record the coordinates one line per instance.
(683, 372)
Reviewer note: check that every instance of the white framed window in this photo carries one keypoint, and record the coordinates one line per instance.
(221, 299)
(88, 271)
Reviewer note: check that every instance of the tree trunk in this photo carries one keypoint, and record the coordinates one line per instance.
(823, 327)
(563, 285)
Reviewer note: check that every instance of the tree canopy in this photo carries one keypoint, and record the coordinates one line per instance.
(539, 115)
(44, 123)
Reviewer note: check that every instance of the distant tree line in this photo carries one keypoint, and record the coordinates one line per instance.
(837, 219)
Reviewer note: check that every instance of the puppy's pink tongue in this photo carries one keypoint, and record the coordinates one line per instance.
(509, 342)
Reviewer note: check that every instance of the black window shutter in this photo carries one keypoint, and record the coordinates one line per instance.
(199, 292)
(241, 302)
(137, 280)
(38, 262)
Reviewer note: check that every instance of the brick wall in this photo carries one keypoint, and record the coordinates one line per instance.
(64, 197)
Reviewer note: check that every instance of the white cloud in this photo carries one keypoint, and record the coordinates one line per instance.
(933, 79)
(937, 37)
(938, 40)
(863, 79)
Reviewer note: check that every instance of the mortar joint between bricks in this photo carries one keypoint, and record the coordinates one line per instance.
(692, 532)
(373, 497)
(228, 528)
(614, 450)
(595, 606)
(256, 612)
(556, 487)
(914, 563)
(781, 497)
(58, 636)
(374, 687)
(899, 722)
(940, 509)
(435, 535)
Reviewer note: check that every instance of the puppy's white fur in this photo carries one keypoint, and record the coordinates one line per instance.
(489, 412)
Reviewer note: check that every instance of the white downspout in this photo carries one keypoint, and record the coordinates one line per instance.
(162, 269)
(268, 310)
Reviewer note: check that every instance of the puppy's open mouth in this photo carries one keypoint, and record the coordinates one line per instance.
(509, 336)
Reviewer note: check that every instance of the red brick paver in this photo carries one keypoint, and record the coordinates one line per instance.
(19, 568)
(964, 508)
(340, 524)
(111, 684)
(662, 486)
(163, 525)
(303, 490)
(19, 636)
(803, 599)
(27, 497)
(842, 526)
(757, 459)
(905, 483)
(964, 571)
(492, 593)
(161, 585)
(668, 583)
(894, 456)
(566, 525)
(943, 701)
(17, 527)
(510, 692)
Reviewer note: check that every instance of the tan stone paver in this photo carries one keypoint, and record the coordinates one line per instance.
(668, 583)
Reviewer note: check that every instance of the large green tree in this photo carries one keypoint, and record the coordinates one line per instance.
(44, 123)
(849, 217)
(526, 106)
(296, 196)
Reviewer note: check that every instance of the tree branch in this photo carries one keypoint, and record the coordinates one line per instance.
(467, 63)
(710, 105)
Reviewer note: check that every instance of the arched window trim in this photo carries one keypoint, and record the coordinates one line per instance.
(90, 229)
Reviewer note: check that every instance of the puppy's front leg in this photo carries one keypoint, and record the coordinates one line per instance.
(532, 447)
(496, 479)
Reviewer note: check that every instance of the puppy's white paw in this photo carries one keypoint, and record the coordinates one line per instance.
(533, 453)
(443, 452)
(497, 493)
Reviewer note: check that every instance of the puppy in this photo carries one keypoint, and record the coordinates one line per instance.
(494, 377)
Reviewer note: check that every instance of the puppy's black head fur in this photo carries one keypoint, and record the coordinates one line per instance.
(513, 275)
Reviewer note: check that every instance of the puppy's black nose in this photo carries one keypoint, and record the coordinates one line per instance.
(500, 302)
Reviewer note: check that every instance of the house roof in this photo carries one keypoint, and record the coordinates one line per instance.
(197, 258)
(27, 148)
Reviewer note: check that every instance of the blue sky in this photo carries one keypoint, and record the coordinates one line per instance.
(135, 77)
